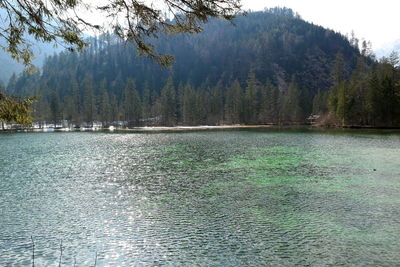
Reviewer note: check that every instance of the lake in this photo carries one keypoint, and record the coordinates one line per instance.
(203, 198)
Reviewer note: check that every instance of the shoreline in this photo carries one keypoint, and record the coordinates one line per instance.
(195, 128)
(146, 128)
(202, 128)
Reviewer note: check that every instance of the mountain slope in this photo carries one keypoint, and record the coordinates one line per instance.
(274, 46)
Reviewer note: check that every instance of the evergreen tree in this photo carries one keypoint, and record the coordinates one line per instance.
(274, 105)
(291, 110)
(89, 100)
(342, 102)
(233, 104)
(268, 103)
(338, 77)
(250, 103)
(55, 108)
(146, 101)
(216, 112)
(104, 104)
(75, 100)
(189, 105)
(319, 103)
(132, 104)
(374, 100)
(354, 95)
(168, 103)
(179, 102)
(116, 114)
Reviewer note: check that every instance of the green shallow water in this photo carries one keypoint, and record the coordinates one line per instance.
(209, 198)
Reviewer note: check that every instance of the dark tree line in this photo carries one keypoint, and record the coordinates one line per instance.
(253, 103)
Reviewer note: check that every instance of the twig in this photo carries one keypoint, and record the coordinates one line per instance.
(95, 260)
(61, 250)
(33, 252)
(74, 261)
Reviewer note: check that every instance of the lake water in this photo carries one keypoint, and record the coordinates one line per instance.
(206, 198)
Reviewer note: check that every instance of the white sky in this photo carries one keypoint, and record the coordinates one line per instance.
(374, 20)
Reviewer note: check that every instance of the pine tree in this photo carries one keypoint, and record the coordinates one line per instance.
(168, 103)
(132, 104)
(266, 103)
(89, 100)
(338, 77)
(188, 105)
(69, 108)
(373, 99)
(233, 103)
(179, 102)
(319, 103)
(55, 108)
(341, 107)
(250, 104)
(115, 108)
(216, 111)
(104, 104)
(292, 111)
(274, 105)
(356, 94)
(76, 100)
(137, 108)
(146, 101)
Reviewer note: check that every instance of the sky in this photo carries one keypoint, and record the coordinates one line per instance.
(373, 20)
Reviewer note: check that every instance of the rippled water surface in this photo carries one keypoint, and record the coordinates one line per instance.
(212, 198)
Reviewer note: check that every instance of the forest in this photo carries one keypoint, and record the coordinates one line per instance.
(269, 67)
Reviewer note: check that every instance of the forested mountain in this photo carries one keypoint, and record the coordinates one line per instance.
(270, 67)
